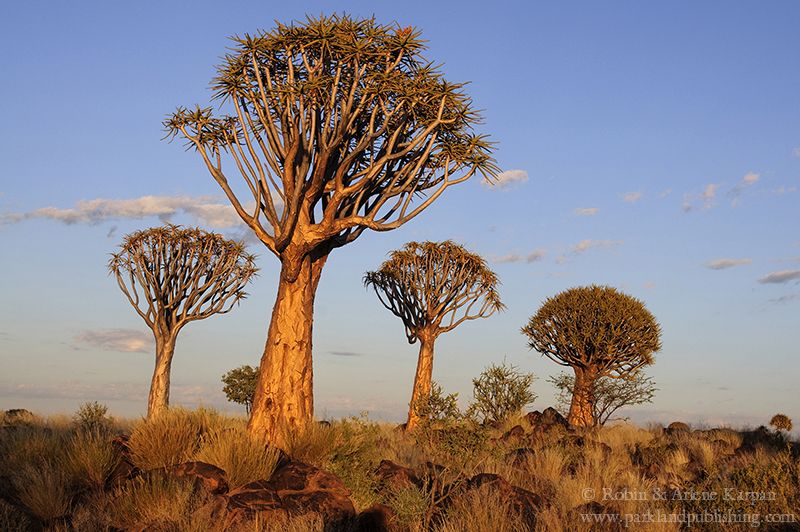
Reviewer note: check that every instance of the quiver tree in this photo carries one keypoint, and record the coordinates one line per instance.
(433, 288)
(173, 275)
(335, 126)
(598, 332)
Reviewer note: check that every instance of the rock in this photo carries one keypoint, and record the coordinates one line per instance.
(210, 476)
(544, 422)
(584, 443)
(122, 472)
(524, 502)
(595, 508)
(377, 518)
(514, 435)
(677, 427)
(257, 497)
(303, 488)
(518, 456)
(550, 416)
(392, 477)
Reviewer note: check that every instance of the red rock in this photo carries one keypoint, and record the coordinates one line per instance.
(211, 476)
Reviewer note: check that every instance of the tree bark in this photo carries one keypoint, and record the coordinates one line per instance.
(422, 379)
(284, 395)
(582, 407)
(158, 400)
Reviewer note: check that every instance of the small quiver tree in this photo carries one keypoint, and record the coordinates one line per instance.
(433, 288)
(336, 126)
(598, 332)
(173, 275)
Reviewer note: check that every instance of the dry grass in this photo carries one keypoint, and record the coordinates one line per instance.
(90, 458)
(243, 459)
(482, 510)
(44, 489)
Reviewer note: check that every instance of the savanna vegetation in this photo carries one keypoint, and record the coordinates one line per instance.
(335, 126)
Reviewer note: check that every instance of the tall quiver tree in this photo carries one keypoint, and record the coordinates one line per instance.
(173, 275)
(433, 287)
(598, 332)
(337, 125)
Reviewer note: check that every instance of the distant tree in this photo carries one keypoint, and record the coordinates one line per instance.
(609, 394)
(337, 125)
(598, 332)
(781, 422)
(240, 385)
(501, 391)
(433, 288)
(173, 275)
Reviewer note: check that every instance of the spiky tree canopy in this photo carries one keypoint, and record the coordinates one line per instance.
(436, 285)
(595, 328)
(173, 275)
(336, 125)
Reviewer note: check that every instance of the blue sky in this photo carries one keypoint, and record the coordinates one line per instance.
(655, 147)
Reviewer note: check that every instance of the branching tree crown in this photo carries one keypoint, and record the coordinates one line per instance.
(438, 286)
(597, 329)
(173, 275)
(240, 385)
(336, 126)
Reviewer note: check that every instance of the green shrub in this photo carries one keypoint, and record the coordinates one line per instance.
(501, 391)
(438, 408)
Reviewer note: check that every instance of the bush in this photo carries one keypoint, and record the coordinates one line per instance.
(92, 416)
(170, 438)
(90, 458)
(781, 422)
(243, 458)
(501, 391)
(240, 385)
(438, 409)
(44, 489)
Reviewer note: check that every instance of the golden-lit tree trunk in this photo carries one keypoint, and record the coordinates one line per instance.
(284, 397)
(158, 400)
(581, 409)
(422, 379)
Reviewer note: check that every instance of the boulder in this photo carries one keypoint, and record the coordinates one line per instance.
(522, 501)
(377, 518)
(210, 476)
(303, 488)
(514, 435)
(392, 477)
(257, 497)
(677, 427)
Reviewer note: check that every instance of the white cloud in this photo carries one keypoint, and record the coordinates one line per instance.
(507, 178)
(586, 211)
(533, 256)
(204, 209)
(632, 197)
(750, 178)
(585, 245)
(706, 198)
(782, 276)
(796, 151)
(721, 264)
(123, 340)
(664, 193)
(781, 190)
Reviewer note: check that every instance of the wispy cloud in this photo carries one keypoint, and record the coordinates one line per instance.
(779, 277)
(585, 245)
(204, 209)
(586, 211)
(750, 178)
(747, 181)
(781, 190)
(632, 197)
(345, 354)
(533, 256)
(664, 193)
(705, 198)
(507, 178)
(788, 298)
(796, 151)
(122, 340)
(722, 264)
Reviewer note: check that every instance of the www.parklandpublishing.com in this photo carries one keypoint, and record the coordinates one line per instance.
(688, 519)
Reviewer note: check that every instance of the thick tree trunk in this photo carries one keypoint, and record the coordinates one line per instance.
(158, 401)
(284, 395)
(582, 407)
(422, 379)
